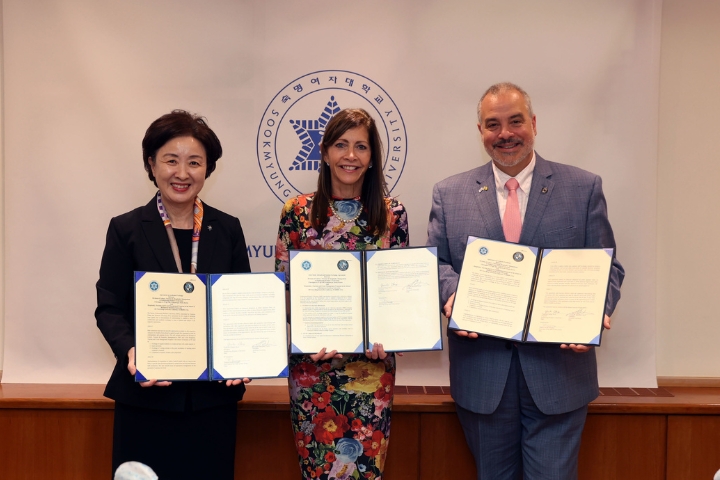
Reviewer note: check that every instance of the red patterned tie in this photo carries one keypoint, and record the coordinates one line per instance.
(512, 225)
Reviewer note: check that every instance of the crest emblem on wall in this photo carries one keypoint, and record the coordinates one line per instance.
(292, 126)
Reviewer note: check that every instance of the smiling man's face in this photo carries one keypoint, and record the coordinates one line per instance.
(508, 130)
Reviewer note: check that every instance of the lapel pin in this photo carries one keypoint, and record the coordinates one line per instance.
(544, 190)
(210, 226)
(483, 189)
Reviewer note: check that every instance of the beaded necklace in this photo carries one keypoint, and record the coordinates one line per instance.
(346, 210)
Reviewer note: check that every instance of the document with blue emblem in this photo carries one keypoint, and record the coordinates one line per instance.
(210, 327)
(347, 300)
(326, 301)
(170, 326)
(528, 294)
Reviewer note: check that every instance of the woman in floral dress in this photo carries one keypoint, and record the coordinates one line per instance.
(340, 404)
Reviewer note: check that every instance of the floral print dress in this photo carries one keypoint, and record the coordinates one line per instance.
(340, 408)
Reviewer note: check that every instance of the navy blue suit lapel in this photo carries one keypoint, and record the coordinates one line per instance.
(486, 200)
(156, 237)
(540, 192)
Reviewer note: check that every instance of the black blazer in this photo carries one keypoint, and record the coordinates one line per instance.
(137, 240)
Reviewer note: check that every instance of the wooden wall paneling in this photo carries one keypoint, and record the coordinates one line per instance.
(55, 444)
(624, 447)
(444, 454)
(693, 447)
(64, 432)
(265, 446)
(403, 460)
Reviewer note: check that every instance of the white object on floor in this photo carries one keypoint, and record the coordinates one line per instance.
(134, 471)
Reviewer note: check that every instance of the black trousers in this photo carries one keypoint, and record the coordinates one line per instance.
(177, 445)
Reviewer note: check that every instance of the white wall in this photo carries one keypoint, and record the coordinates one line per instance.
(556, 49)
(2, 205)
(688, 320)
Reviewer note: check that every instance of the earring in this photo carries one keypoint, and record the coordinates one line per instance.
(370, 166)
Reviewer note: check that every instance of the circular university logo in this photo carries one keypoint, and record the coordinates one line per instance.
(483, 251)
(306, 265)
(188, 287)
(518, 257)
(288, 140)
(154, 286)
(342, 265)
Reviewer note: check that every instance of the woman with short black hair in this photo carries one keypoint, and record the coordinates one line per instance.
(182, 430)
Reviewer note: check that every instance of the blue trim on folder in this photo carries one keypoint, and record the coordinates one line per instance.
(295, 349)
(285, 373)
(359, 348)
(281, 276)
(530, 338)
(517, 337)
(595, 341)
(204, 375)
(139, 275)
(139, 376)
(438, 345)
(452, 324)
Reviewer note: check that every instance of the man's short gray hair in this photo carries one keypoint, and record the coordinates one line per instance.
(504, 87)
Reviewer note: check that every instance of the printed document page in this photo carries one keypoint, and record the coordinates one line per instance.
(494, 288)
(326, 307)
(570, 296)
(170, 326)
(249, 325)
(403, 300)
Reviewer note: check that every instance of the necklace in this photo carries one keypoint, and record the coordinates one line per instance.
(346, 210)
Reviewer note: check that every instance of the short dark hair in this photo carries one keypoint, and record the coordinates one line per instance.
(374, 188)
(180, 123)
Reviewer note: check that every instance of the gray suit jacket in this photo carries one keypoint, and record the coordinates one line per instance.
(566, 209)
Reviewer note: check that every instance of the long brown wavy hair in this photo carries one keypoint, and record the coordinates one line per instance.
(374, 188)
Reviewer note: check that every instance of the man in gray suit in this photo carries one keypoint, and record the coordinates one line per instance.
(522, 407)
